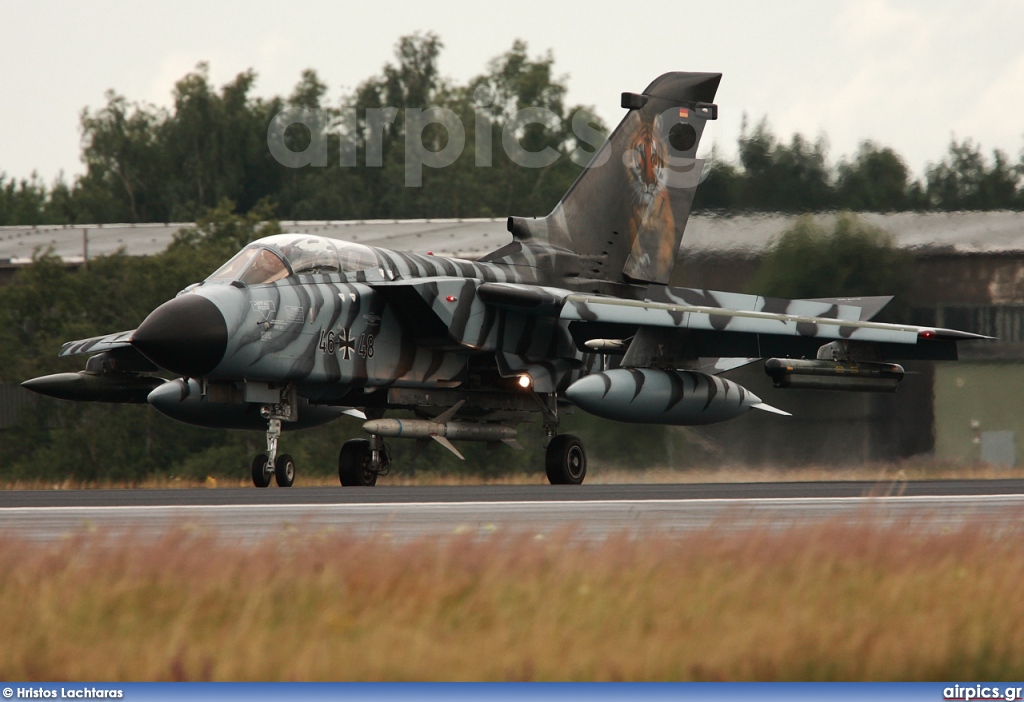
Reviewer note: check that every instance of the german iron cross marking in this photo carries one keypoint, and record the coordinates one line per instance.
(347, 344)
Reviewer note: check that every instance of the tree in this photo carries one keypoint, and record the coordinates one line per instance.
(216, 145)
(876, 180)
(513, 83)
(721, 191)
(23, 202)
(151, 164)
(964, 180)
(123, 157)
(784, 178)
(852, 258)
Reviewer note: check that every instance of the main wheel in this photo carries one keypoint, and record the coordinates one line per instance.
(260, 471)
(355, 464)
(565, 460)
(284, 470)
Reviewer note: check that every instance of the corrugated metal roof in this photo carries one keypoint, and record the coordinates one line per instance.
(957, 232)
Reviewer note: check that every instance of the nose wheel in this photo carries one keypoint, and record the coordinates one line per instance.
(261, 471)
(270, 465)
(282, 471)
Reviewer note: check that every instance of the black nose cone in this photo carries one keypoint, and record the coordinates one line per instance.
(186, 335)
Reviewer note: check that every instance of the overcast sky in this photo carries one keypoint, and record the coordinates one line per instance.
(909, 74)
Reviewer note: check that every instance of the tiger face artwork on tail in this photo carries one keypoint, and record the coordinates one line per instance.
(651, 222)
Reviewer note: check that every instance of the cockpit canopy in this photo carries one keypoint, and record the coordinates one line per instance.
(276, 257)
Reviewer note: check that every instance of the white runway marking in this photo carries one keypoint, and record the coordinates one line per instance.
(586, 519)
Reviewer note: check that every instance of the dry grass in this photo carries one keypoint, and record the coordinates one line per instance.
(883, 472)
(913, 469)
(831, 602)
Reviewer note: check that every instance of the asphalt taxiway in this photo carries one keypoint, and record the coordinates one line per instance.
(588, 511)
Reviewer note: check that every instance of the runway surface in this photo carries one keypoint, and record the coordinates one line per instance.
(587, 512)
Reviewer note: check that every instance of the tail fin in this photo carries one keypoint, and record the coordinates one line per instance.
(625, 214)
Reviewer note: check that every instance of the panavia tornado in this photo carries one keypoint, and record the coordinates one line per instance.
(296, 330)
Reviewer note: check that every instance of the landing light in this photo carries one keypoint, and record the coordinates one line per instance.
(524, 381)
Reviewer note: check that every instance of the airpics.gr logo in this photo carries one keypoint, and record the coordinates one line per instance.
(981, 692)
(345, 125)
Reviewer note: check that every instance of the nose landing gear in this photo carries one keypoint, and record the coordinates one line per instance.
(282, 467)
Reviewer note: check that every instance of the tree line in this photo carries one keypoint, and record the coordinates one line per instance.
(153, 164)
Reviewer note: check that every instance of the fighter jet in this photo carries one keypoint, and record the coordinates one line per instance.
(576, 311)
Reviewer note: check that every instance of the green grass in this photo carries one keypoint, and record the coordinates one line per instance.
(833, 602)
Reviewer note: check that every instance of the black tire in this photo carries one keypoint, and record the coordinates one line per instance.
(260, 474)
(565, 460)
(355, 466)
(284, 470)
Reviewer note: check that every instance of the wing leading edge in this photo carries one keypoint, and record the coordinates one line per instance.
(726, 332)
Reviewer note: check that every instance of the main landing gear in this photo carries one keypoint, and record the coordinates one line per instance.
(359, 464)
(565, 461)
(362, 460)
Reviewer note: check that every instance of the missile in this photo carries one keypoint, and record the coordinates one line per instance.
(183, 400)
(860, 376)
(651, 396)
(87, 386)
(442, 430)
(611, 346)
(425, 429)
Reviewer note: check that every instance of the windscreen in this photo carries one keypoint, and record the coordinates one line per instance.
(276, 257)
(253, 265)
(233, 268)
(265, 267)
